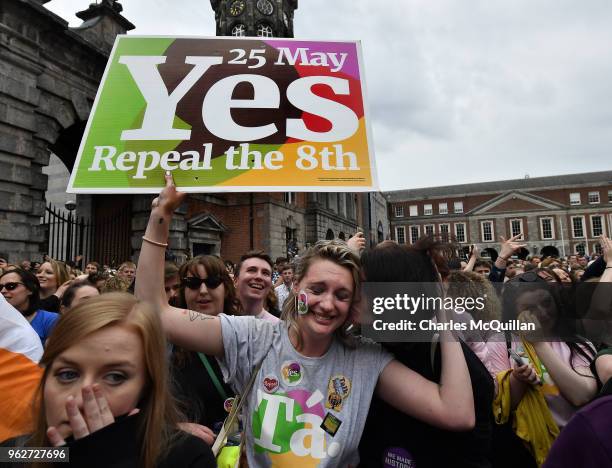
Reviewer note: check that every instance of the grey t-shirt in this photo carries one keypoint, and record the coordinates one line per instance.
(294, 395)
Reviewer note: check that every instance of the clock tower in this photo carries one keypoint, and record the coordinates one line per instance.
(255, 18)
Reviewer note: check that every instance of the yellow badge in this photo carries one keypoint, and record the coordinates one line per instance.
(334, 401)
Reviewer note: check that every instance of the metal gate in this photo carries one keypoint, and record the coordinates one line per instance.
(105, 240)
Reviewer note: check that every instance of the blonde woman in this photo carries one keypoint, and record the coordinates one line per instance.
(54, 279)
(312, 392)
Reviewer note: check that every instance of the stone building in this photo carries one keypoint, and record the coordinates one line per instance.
(557, 215)
(49, 75)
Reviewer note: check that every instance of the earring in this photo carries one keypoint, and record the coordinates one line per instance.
(302, 303)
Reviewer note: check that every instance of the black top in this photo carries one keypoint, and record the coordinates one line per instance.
(392, 438)
(51, 303)
(198, 398)
(118, 446)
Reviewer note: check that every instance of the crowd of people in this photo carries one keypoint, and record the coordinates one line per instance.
(141, 366)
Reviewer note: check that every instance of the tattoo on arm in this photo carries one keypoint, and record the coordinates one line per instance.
(161, 220)
(193, 316)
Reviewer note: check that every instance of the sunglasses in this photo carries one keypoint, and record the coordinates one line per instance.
(193, 282)
(9, 286)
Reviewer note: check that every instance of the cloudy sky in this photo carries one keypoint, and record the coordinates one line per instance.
(459, 91)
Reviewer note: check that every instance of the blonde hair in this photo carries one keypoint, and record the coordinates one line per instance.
(114, 284)
(60, 271)
(340, 254)
(157, 408)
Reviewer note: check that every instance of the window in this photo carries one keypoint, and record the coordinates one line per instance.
(458, 207)
(609, 196)
(575, 198)
(428, 210)
(399, 211)
(414, 210)
(443, 229)
(263, 30)
(516, 228)
(547, 230)
(580, 249)
(597, 248)
(289, 197)
(460, 232)
(239, 30)
(443, 208)
(400, 234)
(429, 229)
(415, 233)
(593, 198)
(597, 226)
(578, 226)
(486, 231)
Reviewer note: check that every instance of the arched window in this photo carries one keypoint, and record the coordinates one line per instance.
(341, 236)
(329, 235)
(380, 233)
(264, 30)
(239, 30)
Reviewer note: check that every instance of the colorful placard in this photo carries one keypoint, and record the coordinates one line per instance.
(226, 115)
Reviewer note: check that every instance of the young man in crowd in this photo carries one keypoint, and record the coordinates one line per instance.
(127, 271)
(253, 280)
(483, 267)
(282, 291)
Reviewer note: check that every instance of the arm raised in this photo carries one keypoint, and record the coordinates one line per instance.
(188, 329)
(448, 405)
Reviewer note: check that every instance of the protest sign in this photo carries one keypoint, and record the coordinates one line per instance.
(228, 114)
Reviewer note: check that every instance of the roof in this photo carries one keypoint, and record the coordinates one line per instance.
(531, 183)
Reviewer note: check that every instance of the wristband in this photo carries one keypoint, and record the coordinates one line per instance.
(159, 244)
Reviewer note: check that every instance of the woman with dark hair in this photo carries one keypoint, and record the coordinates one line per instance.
(21, 289)
(555, 359)
(76, 293)
(389, 433)
(205, 287)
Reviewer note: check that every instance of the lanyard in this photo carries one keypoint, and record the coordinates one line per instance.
(213, 376)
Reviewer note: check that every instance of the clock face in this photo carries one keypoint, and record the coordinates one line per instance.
(237, 7)
(265, 7)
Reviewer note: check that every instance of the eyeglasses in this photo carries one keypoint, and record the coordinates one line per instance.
(10, 286)
(193, 282)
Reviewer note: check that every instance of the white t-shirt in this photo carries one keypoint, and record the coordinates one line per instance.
(293, 395)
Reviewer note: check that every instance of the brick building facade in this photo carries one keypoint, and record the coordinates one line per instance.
(558, 215)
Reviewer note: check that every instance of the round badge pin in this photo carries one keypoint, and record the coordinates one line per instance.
(270, 383)
(341, 385)
(227, 404)
(292, 373)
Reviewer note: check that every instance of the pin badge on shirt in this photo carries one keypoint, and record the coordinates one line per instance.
(334, 402)
(270, 383)
(340, 384)
(331, 424)
(227, 404)
(292, 373)
(302, 303)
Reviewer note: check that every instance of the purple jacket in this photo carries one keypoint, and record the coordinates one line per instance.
(586, 441)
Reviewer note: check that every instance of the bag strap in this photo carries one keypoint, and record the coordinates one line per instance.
(213, 376)
(221, 439)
